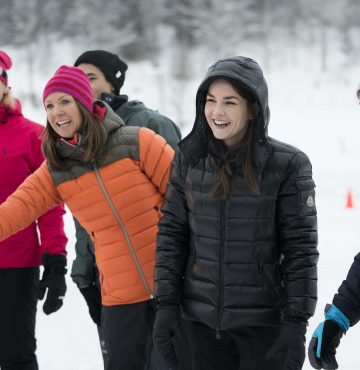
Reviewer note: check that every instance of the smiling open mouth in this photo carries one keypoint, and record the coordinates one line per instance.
(63, 123)
(221, 124)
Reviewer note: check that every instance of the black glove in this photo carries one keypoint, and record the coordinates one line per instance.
(92, 297)
(53, 279)
(167, 322)
(326, 338)
(291, 340)
(330, 334)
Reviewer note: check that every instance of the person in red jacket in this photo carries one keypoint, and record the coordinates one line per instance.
(21, 254)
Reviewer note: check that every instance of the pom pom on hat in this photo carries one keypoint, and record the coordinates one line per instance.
(5, 65)
(73, 81)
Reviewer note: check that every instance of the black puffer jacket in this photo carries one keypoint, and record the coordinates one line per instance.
(246, 260)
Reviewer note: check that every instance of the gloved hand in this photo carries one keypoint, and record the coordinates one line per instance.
(53, 279)
(326, 338)
(291, 340)
(167, 322)
(92, 297)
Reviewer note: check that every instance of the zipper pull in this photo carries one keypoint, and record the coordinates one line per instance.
(260, 265)
(218, 335)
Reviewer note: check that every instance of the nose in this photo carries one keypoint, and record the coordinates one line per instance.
(218, 110)
(57, 111)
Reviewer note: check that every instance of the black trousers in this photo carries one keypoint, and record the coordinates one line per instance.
(132, 325)
(18, 292)
(125, 335)
(242, 349)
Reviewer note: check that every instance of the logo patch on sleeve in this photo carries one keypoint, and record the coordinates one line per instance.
(310, 201)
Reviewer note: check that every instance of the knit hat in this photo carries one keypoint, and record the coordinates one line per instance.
(5, 64)
(109, 64)
(72, 81)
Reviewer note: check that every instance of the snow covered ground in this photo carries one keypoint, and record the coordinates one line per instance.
(317, 113)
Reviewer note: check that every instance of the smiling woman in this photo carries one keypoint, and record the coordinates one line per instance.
(63, 114)
(113, 179)
(237, 243)
(227, 112)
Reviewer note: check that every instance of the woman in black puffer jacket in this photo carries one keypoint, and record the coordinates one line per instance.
(237, 244)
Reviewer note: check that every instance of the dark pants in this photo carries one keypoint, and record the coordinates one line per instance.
(18, 292)
(153, 361)
(125, 335)
(242, 349)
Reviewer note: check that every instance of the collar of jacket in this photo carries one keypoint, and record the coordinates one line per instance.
(195, 148)
(112, 122)
(115, 101)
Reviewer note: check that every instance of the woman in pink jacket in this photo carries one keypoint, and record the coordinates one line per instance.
(21, 254)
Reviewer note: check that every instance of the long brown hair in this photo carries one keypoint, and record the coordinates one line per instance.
(93, 138)
(223, 185)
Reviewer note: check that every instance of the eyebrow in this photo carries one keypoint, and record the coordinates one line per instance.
(58, 98)
(225, 97)
(91, 74)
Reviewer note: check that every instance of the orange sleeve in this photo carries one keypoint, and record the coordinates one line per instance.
(36, 195)
(155, 157)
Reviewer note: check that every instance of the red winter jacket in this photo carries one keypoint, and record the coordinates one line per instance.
(20, 155)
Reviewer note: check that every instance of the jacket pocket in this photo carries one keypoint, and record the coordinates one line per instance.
(306, 196)
(270, 282)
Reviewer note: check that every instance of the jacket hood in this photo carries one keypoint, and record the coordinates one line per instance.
(243, 72)
(7, 112)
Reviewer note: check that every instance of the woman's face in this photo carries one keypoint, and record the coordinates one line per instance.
(63, 114)
(226, 112)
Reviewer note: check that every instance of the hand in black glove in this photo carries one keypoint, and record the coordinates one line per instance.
(53, 279)
(330, 340)
(167, 322)
(92, 297)
(326, 338)
(291, 340)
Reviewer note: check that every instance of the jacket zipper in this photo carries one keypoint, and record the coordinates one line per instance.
(260, 265)
(221, 270)
(123, 228)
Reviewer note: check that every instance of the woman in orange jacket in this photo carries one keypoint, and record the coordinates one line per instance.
(113, 179)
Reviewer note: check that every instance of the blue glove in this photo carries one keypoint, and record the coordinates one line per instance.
(326, 338)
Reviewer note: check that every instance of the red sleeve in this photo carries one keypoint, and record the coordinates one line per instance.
(52, 234)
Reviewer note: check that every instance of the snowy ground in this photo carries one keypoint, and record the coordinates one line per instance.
(317, 113)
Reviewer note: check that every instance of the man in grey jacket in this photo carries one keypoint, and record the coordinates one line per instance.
(106, 72)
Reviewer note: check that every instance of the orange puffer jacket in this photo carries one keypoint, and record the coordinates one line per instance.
(116, 198)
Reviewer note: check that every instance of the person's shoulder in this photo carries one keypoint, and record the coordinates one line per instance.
(31, 128)
(287, 152)
(127, 133)
(282, 147)
(131, 107)
(140, 109)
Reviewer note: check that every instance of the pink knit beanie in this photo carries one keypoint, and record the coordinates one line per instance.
(73, 81)
(5, 64)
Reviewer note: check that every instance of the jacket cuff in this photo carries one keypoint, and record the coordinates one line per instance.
(296, 317)
(167, 300)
